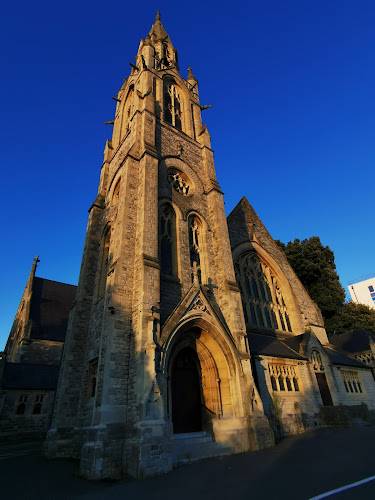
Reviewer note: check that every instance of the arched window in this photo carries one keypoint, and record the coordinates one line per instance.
(38, 404)
(167, 240)
(21, 406)
(104, 263)
(116, 192)
(195, 244)
(262, 298)
(282, 376)
(128, 111)
(172, 105)
(317, 361)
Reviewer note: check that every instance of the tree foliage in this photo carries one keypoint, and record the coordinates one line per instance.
(352, 317)
(315, 266)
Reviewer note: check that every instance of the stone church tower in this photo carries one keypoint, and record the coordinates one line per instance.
(155, 351)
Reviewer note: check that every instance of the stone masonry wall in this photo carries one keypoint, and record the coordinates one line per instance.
(28, 425)
(242, 222)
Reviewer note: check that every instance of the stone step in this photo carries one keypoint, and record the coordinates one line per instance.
(183, 442)
(189, 435)
(191, 448)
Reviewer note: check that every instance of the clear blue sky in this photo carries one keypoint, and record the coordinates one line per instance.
(291, 83)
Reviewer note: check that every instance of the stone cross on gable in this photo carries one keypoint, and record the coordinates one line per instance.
(36, 260)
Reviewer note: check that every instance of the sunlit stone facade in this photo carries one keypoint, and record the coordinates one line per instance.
(158, 367)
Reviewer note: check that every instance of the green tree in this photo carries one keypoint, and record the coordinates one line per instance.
(352, 317)
(315, 266)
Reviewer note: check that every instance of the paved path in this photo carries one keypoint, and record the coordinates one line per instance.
(300, 467)
(12, 450)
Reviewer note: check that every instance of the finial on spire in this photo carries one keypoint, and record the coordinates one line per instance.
(157, 15)
(190, 73)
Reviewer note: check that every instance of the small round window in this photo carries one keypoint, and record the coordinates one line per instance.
(179, 181)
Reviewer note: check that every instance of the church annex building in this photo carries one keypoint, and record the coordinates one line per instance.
(189, 334)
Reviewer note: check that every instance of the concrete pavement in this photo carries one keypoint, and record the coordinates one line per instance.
(300, 467)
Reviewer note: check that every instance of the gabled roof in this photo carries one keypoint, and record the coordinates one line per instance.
(354, 342)
(338, 358)
(268, 345)
(30, 376)
(50, 305)
(298, 342)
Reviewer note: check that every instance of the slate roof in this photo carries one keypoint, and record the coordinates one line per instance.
(268, 345)
(295, 342)
(354, 342)
(338, 358)
(50, 305)
(30, 376)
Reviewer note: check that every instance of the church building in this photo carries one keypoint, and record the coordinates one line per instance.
(190, 335)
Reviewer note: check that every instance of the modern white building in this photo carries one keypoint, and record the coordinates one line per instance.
(363, 292)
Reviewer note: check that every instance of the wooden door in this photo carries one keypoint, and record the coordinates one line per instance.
(186, 392)
(324, 389)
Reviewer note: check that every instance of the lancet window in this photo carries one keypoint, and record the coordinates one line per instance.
(284, 378)
(351, 381)
(195, 244)
(167, 240)
(172, 105)
(104, 263)
(92, 375)
(116, 192)
(262, 299)
(317, 361)
(21, 406)
(38, 404)
(128, 110)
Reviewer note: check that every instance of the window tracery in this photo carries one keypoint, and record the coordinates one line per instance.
(367, 358)
(178, 182)
(283, 378)
(262, 299)
(172, 106)
(317, 361)
(351, 381)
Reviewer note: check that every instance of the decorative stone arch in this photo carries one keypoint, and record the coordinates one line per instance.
(171, 162)
(319, 363)
(114, 179)
(115, 192)
(104, 261)
(288, 293)
(128, 106)
(220, 365)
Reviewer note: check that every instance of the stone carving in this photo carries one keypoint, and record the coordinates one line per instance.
(154, 403)
(199, 305)
(178, 183)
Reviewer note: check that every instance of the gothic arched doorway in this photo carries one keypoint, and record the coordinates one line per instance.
(186, 392)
